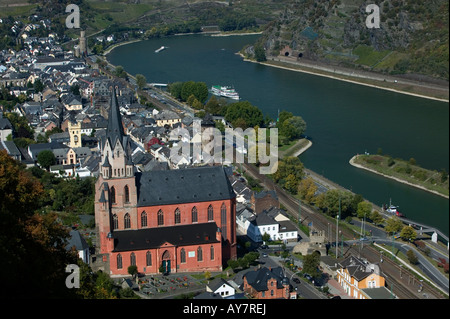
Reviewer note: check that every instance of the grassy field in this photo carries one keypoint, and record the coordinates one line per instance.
(407, 171)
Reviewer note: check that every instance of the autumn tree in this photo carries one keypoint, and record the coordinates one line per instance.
(393, 225)
(307, 190)
(408, 233)
(32, 245)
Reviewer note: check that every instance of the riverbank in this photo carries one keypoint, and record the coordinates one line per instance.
(395, 172)
(371, 79)
(296, 149)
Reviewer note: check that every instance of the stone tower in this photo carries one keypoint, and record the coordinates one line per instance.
(74, 129)
(82, 44)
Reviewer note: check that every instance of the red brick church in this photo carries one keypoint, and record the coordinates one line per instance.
(161, 221)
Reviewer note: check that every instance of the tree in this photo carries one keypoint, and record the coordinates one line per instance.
(175, 89)
(408, 233)
(329, 202)
(38, 86)
(120, 72)
(29, 240)
(307, 189)
(198, 89)
(364, 209)
(132, 270)
(141, 81)
(293, 127)
(260, 53)
(46, 158)
(244, 112)
(393, 225)
(311, 264)
(376, 218)
(412, 257)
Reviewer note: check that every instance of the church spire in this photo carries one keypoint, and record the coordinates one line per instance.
(114, 130)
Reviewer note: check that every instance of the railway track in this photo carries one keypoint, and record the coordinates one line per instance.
(400, 281)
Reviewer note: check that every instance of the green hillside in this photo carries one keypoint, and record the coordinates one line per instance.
(412, 38)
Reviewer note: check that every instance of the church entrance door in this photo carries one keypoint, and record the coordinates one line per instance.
(166, 262)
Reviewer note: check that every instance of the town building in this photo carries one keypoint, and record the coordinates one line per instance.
(160, 221)
(268, 283)
(361, 280)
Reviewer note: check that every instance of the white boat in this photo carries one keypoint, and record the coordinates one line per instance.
(225, 91)
(392, 209)
(160, 49)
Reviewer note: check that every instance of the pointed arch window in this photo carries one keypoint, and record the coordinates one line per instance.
(113, 195)
(160, 218)
(210, 213)
(126, 192)
(194, 215)
(127, 221)
(223, 220)
(143, 219)
(177, 216)
(199, 254)
(119, 261)
(183, 256)
(148, 258)
(115, 222)
(212, 252)
(133, 259)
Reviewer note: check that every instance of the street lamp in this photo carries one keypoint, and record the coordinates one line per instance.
(337, 226)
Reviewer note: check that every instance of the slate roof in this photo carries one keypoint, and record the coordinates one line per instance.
(5, 124)
(258, 278)
(76, 240)
(356, 267)
(148, 238)
(190, 185)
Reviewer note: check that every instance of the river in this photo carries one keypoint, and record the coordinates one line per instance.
(342, 118)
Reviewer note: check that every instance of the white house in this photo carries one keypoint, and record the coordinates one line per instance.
(272, 222)
(80, 244)
(221, 287)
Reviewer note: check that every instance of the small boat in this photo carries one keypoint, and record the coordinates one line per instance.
(392, 209)
(160, 49)
(225, 91)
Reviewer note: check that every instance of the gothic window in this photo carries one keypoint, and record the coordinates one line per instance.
(210, 213)
(127, 194)
(199, 254)
(113, 195)
(183, 255)
(144, 219)
(148, 258)
(119, 261)
(177, 216)
(212, 252)
(133, 259)
(194, 215)
(115, 222)
(127, 221)
(160, 218)
(223, 220)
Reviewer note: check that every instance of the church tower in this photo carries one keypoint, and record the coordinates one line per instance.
(116, 194)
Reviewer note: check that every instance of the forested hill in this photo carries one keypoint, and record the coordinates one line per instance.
(412, 38)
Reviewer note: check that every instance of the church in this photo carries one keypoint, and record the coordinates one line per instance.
(160, 221)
